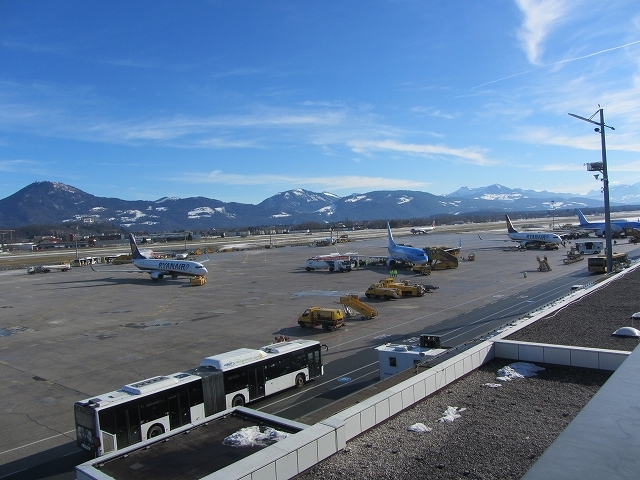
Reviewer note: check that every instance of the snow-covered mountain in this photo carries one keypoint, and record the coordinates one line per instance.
(55, 203)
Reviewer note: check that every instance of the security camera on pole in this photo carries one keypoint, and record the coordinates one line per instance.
(602, 167)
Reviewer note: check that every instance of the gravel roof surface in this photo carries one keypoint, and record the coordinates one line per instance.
(590, 321)
(503, 430)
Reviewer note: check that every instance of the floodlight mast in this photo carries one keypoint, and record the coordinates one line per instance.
(605, 181)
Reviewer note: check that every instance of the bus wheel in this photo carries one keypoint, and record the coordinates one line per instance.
(156, 430)
(238, 401)
(300, 380)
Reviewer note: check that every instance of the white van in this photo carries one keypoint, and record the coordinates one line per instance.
(590, 248)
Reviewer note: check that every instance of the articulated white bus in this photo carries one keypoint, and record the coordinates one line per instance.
(151, 407)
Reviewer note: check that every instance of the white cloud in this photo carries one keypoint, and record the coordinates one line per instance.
(328, 183)
(473, 155)
(540, 17)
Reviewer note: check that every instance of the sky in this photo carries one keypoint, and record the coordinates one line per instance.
(240, 100)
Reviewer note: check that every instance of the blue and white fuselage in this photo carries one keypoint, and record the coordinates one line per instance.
(402, 253)
(158, 269)
(617, 226)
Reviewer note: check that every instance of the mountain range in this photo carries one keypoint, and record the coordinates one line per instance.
(50, 203)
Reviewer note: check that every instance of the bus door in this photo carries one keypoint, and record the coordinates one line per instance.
(314, 363)
(179, 410)
(256, 382)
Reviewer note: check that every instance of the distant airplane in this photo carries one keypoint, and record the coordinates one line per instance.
(424, 229)
(158, 269)
(617, 226)
(531, 238)
(403, 253)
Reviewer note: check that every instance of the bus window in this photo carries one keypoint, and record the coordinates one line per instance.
(153, 408)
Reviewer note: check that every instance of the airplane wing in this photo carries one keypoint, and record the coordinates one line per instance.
(106, 270)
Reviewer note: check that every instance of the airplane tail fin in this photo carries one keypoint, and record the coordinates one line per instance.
(582, 218)
(433, 224)
(510, 228)
(391, 242)
(135, 253)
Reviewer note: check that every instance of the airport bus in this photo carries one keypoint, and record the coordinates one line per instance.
(598, 264)
(151, 407)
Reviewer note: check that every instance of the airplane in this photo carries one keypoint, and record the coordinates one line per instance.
(525, 239)
(617, 226)
(424, 229)
(404, 253)
(158, 269)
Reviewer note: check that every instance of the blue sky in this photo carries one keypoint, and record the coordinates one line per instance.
(239, 100)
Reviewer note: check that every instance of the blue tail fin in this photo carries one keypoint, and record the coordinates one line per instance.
(135, 253)
(510, 228)
(391, 242)
(582, 218)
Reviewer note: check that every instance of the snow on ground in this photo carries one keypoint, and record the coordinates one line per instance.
(253, 436)
(518, 370)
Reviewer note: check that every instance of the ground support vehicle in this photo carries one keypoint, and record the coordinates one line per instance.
(546, 246)
(327, 318)
(421, 269)
(598, 264)
(198, 280)
(589, 248)
(377, 290)
(386, 287)
(48, 268)
(442, 258)
(573, 256)
(354, 303)
(543, 264)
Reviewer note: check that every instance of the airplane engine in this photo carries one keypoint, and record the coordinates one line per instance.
(391, 262)
(156, 275)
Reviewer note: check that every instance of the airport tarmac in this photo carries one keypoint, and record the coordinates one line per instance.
(66, 336)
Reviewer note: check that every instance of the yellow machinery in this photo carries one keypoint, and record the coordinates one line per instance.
(328, 318)
(573, 256)
(405, 288)
(421, 269)
(442, 258)
(543, 264)
(353, 302)
(121, 259)
(198, 280)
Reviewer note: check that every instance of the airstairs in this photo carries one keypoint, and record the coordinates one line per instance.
(352, 302)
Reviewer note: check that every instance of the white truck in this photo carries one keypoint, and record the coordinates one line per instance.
(334, 265)
(589, 248)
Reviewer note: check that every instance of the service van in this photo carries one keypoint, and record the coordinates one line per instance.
(589, 248)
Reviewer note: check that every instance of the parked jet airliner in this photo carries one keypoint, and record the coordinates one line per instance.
(403, 253)
(531, 238)
(159, 268)
(617, 226)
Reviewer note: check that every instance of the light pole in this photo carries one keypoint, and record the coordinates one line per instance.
(553, 215)
(602, 167)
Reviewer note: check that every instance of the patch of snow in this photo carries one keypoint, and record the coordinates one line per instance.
(419, 428)
(404, 199)
(98, 209)
(161, 209)
(281, 215)
(357, 198)
(167, 199)
(328, 210)
(450, 414)
(492, 385)
(518, 370)
(252, 436)
(505, 197)
(63, 187)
